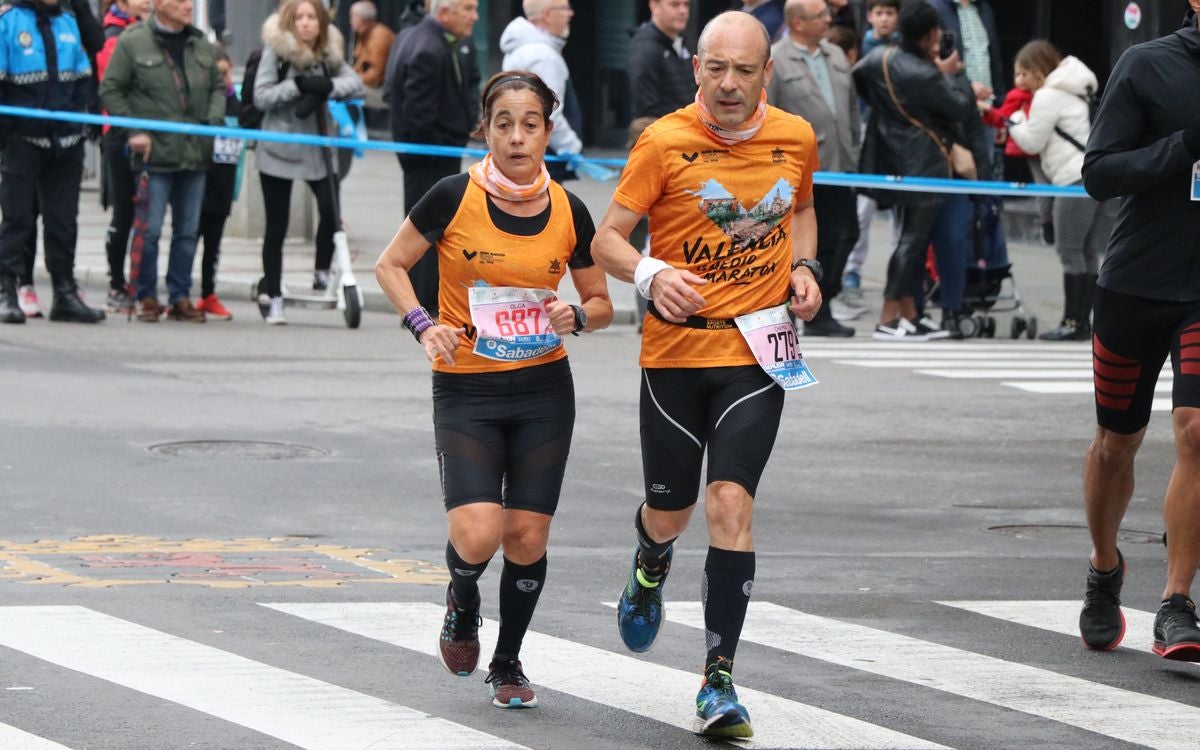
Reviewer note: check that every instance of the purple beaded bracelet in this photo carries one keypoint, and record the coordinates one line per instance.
(417, 321)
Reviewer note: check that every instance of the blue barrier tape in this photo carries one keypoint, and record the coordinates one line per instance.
(879, 182)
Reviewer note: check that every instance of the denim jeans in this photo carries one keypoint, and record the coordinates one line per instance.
(184, 191)
(953, 239)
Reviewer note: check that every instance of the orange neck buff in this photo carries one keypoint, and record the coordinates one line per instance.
(727, 136)
(488, 176)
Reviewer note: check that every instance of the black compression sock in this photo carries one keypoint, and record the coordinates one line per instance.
(652, 555)
(520, 587)
(725, 593)
(464, 577)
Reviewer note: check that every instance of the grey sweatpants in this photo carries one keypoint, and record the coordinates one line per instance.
(1081, 229)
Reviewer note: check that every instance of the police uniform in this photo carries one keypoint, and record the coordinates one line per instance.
(43, 64)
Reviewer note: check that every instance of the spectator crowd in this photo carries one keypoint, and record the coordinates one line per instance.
(918, 91)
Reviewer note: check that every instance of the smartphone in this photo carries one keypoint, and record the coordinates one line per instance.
(947, 47)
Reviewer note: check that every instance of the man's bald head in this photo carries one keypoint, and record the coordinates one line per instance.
(734, 24)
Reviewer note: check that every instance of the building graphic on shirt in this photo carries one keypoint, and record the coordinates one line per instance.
(742, 225)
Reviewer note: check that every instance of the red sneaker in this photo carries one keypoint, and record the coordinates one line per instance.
(212, 307)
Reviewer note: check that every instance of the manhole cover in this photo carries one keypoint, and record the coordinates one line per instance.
(254, 451)
(1070, 532)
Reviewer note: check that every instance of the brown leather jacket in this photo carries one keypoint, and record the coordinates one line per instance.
(371, 53)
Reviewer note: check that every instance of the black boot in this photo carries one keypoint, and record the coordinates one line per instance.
(69, 307)
(823, 324)
(10, 306)
(1087, 292)
(1068, 328)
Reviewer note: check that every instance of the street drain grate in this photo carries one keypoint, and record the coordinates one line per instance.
(247, 449)
(1072, 532)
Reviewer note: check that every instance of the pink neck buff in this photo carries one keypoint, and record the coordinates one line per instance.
(727, 136)
(488, 176)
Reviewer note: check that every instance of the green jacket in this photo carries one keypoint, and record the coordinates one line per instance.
(139, 82)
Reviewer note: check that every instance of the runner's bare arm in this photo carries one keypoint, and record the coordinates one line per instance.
(405, 249)
(610, 246)
(807, 295)
(672, 289)
(592, 286)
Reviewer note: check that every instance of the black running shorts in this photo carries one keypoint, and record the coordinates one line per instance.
(503, 437)
(734, 411)
(1132, 337)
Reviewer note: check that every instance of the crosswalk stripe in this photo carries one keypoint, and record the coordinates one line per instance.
(1083, 387)
(12, 738)
(657, 692)
(956, 363)
(828, 349)
(1032, 373)
(1061, 617)
(1059, 357)
(1123, 714)
(291, 707)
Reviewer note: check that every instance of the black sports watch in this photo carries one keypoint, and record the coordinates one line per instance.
(580, 319)
(811, 264)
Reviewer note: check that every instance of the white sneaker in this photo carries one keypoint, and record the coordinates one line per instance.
(931, 330)
(275, 315)
(899, 329)
(27, 300)
(846, 310)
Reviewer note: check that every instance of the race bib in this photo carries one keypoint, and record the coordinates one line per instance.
(511, 323)
(227, 150)
(772, 338)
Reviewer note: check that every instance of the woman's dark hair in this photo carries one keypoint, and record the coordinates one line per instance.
(1038, 56)
(514, 80)
(219, 53)
(916, 21)
(106, 6)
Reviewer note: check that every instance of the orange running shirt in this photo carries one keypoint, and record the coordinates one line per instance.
(474, 251)
(724, 213)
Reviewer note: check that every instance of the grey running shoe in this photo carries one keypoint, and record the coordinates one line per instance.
(1101, 623)
(1175, 633)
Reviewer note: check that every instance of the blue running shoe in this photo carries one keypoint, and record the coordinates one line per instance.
(640, 610)
(717, 709)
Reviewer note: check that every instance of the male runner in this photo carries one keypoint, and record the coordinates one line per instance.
(727, 184)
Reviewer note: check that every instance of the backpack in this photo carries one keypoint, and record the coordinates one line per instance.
(250, 116)
(1093, 104)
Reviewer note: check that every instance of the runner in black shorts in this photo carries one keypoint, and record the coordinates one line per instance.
(1143, 146)
(727, 184)
(503, 398)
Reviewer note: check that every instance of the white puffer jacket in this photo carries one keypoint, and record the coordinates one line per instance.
(1061, 102)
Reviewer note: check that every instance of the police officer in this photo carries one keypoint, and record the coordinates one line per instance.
(42, 64)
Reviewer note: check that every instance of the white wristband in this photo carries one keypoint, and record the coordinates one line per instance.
(644, 274)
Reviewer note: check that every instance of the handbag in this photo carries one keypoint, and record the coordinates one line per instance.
(960, 161)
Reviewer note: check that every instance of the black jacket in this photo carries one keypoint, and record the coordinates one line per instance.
(662, 81)
(948, 13)
(1136, 151)
(894, 145)
(429, 104)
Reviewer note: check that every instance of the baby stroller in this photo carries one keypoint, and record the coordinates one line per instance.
(990, 286)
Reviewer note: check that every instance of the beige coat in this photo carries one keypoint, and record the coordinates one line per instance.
(793, 90)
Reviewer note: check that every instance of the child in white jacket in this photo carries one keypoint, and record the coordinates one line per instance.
(1056, 129)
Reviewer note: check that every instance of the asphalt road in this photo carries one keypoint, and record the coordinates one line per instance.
(138, 566)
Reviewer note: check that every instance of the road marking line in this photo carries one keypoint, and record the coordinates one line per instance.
(1061, 358)
(956, 363)
(639, 687)
(297, 709)
(1031, 374)
(1061, 617)
(12, 738)
(1123, 714)
(1082, 387)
